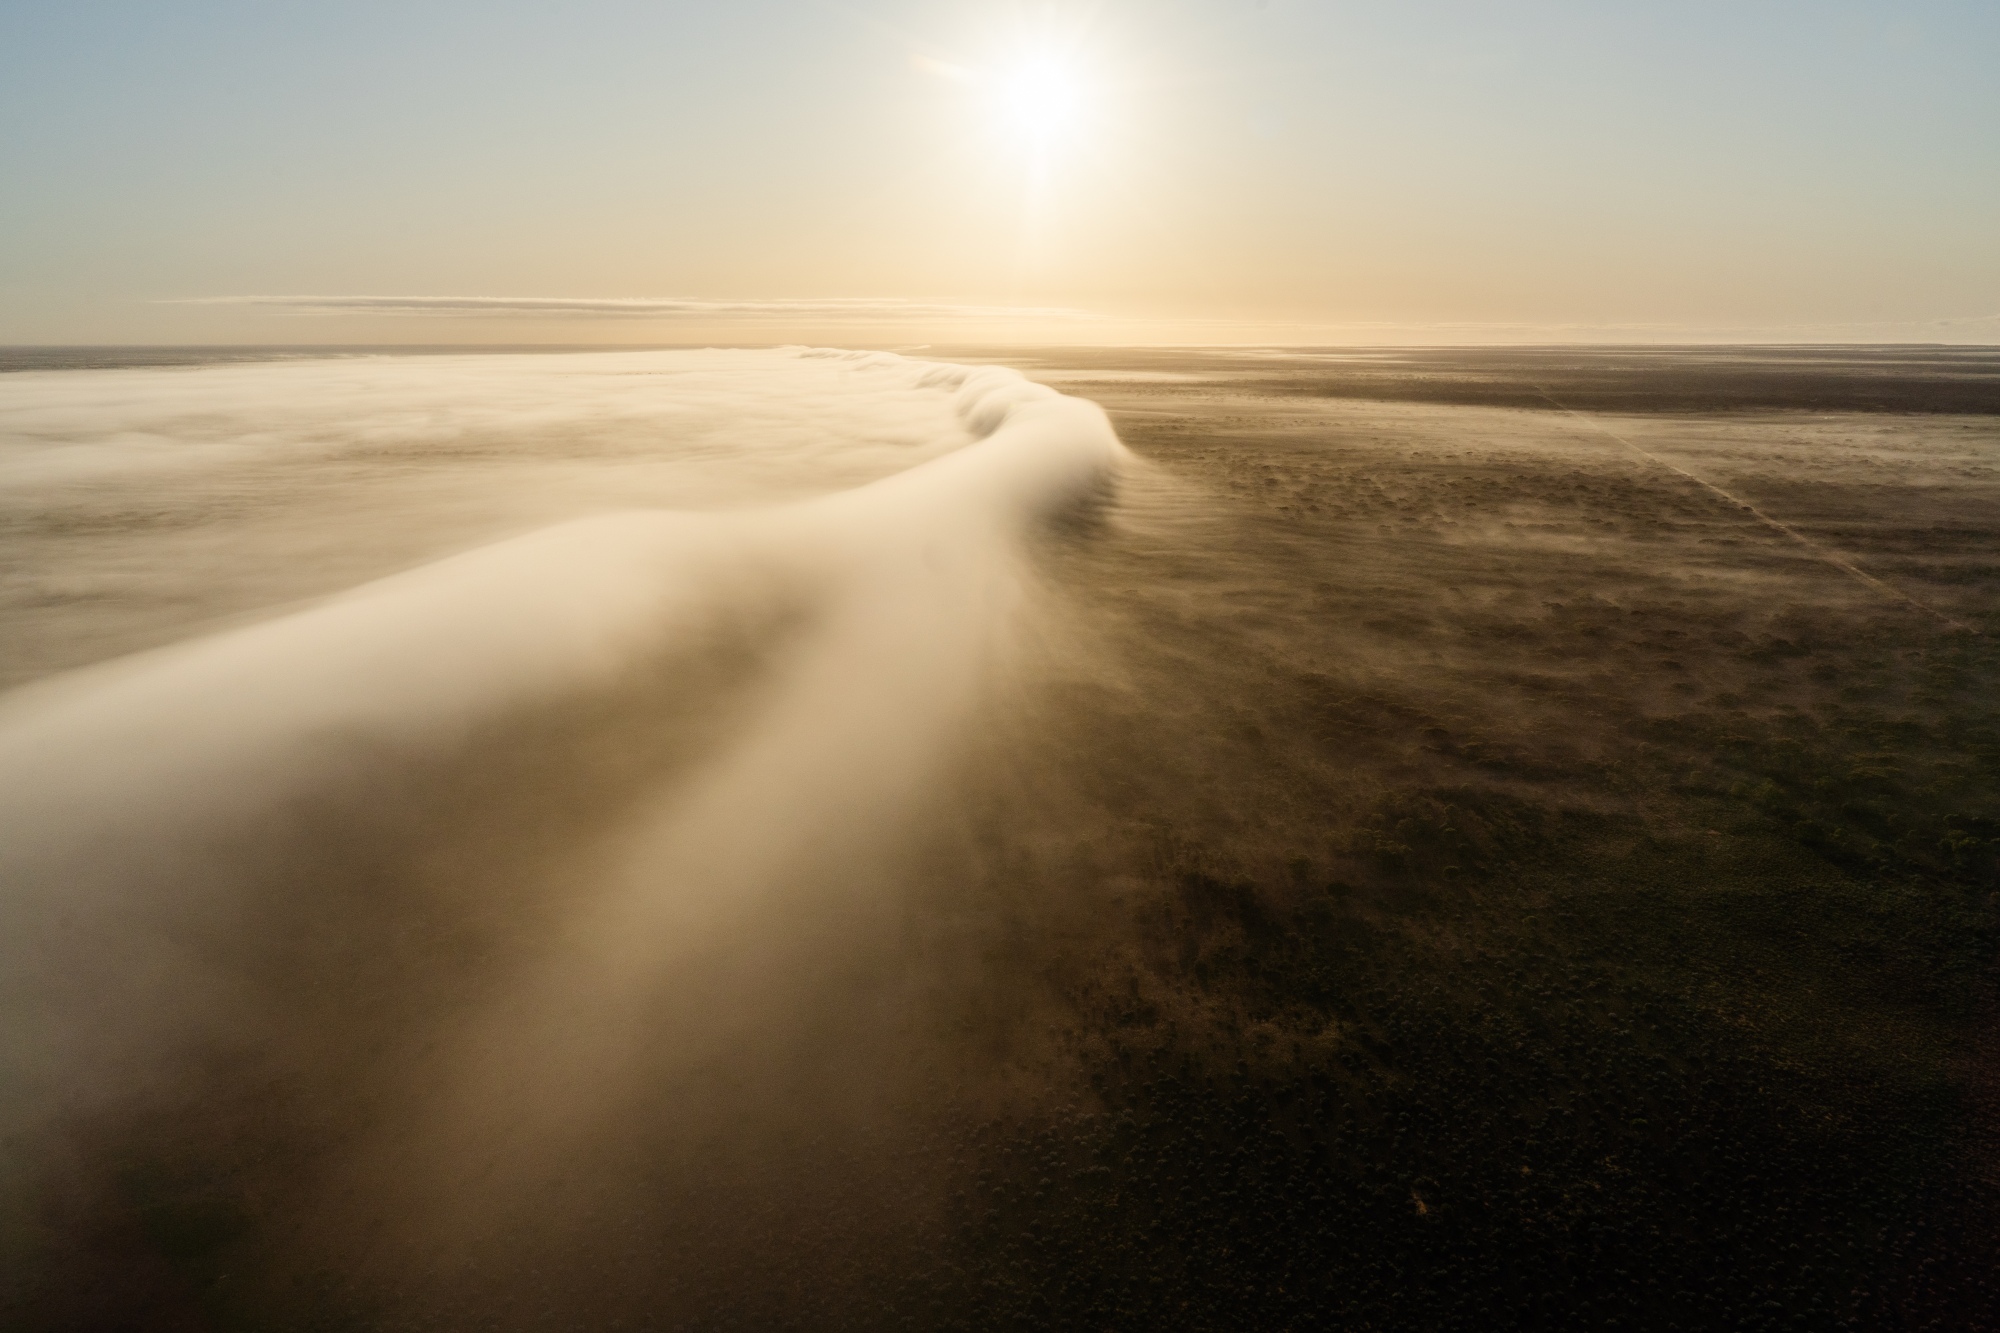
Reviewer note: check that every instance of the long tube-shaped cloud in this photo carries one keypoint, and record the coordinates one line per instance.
(131, 792)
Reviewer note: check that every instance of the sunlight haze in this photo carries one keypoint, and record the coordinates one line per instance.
(1214, 171)
(1117, 666)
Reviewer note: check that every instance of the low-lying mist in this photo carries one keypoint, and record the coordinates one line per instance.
(810, 840)
(509, 869)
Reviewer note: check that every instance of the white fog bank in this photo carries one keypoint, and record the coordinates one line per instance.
(773, 586)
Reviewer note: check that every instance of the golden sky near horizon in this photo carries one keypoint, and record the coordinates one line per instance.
(898, 173)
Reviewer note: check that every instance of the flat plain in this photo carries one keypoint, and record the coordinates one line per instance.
(1483, 839)
(1558, 799)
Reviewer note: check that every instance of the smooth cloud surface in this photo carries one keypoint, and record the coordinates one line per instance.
(736, 705)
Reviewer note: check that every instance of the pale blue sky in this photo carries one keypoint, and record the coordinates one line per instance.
(1238, 170)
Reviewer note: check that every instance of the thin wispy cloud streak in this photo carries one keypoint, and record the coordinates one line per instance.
(862, 312)
(856, 310)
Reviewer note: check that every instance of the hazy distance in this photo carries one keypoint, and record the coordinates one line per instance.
(1133, 664)
(1184, 171)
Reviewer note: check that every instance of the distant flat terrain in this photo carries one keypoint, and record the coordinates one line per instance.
(1902, 378)
(1563, 791)
(1467, 839)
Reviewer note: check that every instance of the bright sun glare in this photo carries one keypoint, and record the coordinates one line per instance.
(1042, 100)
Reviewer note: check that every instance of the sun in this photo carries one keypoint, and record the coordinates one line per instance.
(1042, 100)
(1041, 94)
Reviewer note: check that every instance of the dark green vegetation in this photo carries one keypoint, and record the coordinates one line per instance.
(1449, 871)
(1556, 900)
(1900, 378)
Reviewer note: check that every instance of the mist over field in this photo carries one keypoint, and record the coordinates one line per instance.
(1145, 839)
(534, 825)
(1133, 666)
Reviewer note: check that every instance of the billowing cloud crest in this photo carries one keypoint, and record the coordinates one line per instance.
(655, 749)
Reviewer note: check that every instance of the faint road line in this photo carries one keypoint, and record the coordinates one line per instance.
(1818, 550)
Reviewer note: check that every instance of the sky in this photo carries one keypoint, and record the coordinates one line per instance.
(902, 172)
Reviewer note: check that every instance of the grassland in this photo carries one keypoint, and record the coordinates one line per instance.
(1476, 840)
(1548, 894)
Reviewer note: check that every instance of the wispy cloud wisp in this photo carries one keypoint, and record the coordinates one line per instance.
(842, 310)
